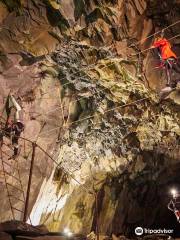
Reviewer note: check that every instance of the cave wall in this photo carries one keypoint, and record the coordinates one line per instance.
(85, 46)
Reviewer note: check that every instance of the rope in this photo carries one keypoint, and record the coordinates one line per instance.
(70, 173)
(42, 114)
(8, 194)
(19, 177)
(150, 48)
(67, 172)
(73, 74)
(164, 29)
(112, 56)
(109, 110)
(104, 67)
(100, 113)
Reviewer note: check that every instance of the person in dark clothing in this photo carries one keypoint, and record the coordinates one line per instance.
(174, 206)
(13, 127)
(14, 131)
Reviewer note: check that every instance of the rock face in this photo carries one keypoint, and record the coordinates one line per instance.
(90, 101)
(5, 236)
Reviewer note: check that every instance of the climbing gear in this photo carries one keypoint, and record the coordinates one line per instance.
(168, 68)
(164, 48)
(167, 57)
(13, 127)
(162, 33)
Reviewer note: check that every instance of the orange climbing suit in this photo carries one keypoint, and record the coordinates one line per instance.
(165, 49)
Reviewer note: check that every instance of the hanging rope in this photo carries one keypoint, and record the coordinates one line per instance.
(147, 49)
(140, 100)
(6, 184)
(113, 56)
(91, 116)
(70, 173)
(132, 55)
(104, 67)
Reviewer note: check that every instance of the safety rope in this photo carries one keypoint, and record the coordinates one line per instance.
(79, 100)
(17, 168)
(6, 183)
(71, 174)
(163, 29)
(132, 55)
(150, 48)
(104, 67)
(91, 116)
(112, 56)
(18, 179)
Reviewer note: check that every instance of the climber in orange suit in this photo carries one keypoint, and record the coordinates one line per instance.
(167, 57)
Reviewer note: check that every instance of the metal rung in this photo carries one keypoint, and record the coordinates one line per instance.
(11, 176)
(10, 156)
(7, 163)
(17, 210)
(9, 148)
(10, 165)
(16, 198)
(15, 187)
(6, 153)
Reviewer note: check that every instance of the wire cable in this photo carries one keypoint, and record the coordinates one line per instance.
(91, 116)
(104, 67)
(113, 56)
(110, 57)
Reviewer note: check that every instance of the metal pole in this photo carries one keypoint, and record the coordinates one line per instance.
(97, 216)
(29, 183)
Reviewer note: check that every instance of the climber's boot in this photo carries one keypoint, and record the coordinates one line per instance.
(165, 92)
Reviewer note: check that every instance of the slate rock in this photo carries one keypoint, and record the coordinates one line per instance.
(20, 228)
(5, 236)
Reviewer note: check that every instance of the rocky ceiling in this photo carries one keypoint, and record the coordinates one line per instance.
(72, 64)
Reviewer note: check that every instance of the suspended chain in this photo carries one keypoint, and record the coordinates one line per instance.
(6, 184)
(17, 178)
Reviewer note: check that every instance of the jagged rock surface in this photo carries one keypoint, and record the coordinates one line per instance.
(77, 70)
